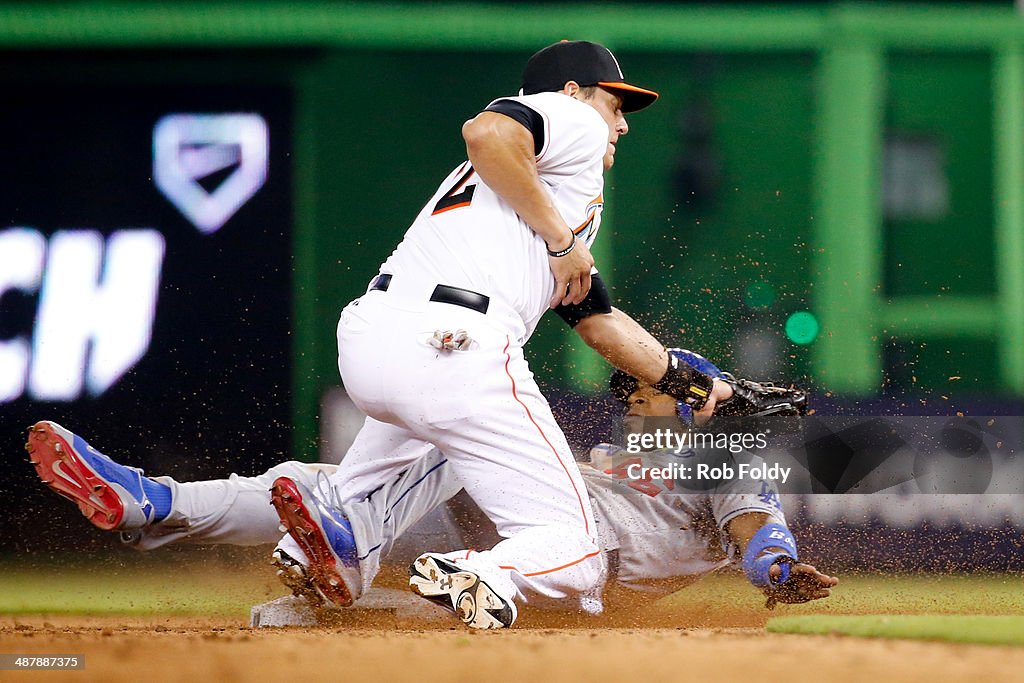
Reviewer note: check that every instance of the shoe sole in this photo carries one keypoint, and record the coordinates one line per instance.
(294, 578)
(322, 570)
(460, 592)
(65, 472)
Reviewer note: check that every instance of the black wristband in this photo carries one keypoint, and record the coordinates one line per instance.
(685, 383)
(597, 301)
(563, 252)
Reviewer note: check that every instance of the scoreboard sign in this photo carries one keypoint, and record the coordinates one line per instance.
(145, 269)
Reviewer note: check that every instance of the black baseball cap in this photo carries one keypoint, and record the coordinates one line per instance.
(586, 63)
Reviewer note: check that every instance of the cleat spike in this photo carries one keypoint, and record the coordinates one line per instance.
(107, 493)
(282, 528)
(333, 582)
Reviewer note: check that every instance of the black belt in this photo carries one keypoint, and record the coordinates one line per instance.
(443, 294)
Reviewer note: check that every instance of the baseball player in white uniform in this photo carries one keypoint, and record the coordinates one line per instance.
(433, 352)
(653, 539)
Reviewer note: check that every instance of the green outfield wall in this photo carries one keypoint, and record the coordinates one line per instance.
(862, 164)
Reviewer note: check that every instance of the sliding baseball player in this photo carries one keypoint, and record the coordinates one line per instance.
(653, 540)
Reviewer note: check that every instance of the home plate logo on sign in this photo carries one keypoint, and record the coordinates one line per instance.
(191, 153)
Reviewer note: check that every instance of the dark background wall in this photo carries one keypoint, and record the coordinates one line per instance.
(212, 393)
(709, 236)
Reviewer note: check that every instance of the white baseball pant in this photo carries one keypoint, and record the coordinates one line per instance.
(237, 510)
(482, 408)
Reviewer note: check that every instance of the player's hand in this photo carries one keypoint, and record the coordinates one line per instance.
(572, 275)
(805, 583)
(721, 391)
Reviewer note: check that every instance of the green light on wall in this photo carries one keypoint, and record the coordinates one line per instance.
(802, 327)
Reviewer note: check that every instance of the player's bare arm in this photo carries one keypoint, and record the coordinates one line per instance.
(803, 583)
(501, 151)
(629, 347)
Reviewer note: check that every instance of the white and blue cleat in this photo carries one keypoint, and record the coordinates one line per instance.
(325, 536)
(110, 495)
(460, 591)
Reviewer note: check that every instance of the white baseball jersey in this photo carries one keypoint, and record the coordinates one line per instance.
(467, 237)
(481, 406)
(663, 533)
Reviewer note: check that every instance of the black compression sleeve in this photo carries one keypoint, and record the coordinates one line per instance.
(686, 383)
(530, 118)
(598, 301)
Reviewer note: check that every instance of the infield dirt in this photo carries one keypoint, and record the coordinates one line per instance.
(714, 634)
(222, 649)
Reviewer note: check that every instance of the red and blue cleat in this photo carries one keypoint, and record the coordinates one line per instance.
(110, 495)
(325, 536)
